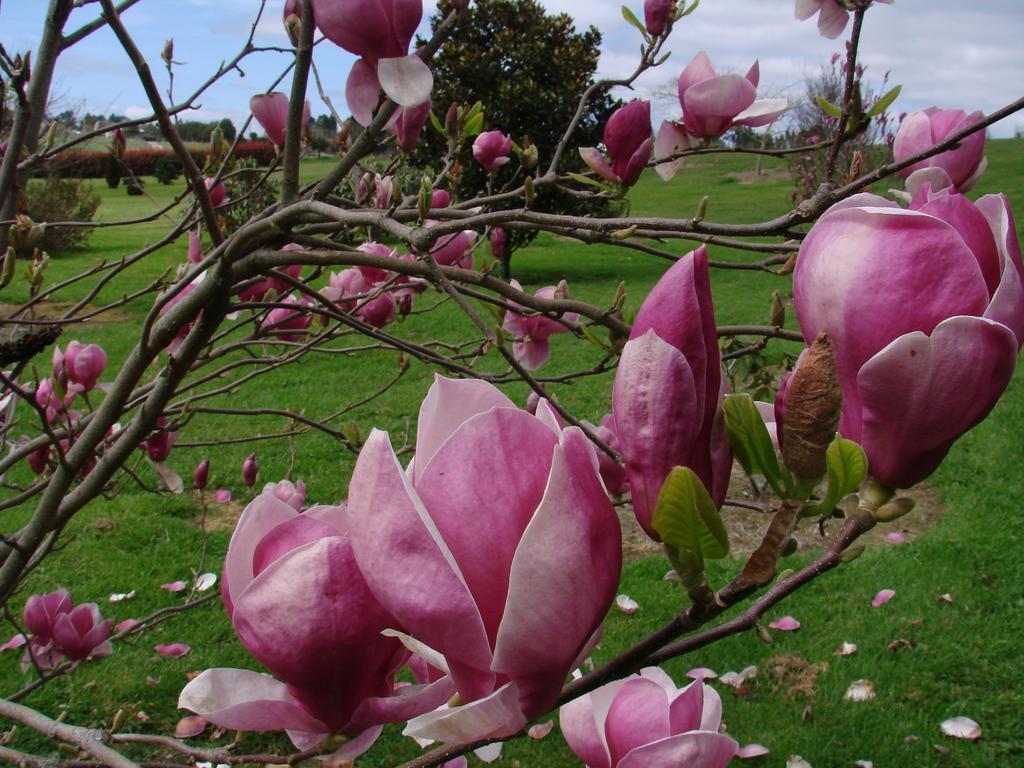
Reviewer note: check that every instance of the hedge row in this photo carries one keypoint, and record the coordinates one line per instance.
(142, 162)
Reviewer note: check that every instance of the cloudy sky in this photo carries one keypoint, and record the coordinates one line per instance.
(948, 53)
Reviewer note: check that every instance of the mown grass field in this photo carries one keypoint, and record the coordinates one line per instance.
(965, 655)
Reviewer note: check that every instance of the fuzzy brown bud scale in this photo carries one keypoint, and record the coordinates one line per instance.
(813, 407)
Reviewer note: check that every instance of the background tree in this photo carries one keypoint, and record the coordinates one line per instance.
(528, 69)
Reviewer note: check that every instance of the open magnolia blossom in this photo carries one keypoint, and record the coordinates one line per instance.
(62, 630)
(503, 592)
(301, 606)
(959, 167)
(531, 332)
(666, 401)
(379, 32)
(644, 721)
(925, 309)
(713, 103)
(628, 141)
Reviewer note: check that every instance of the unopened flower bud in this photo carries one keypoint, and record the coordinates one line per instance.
(895, 509)
(813, 406)
(249, 470)
(202, 474)
(778, 316)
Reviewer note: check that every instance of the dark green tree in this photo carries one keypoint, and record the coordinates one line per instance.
(528, 69)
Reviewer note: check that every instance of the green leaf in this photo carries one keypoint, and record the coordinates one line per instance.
(593, 338)
(476, 109)
(686, 518)
(474, 125)
(629, 16)
(592, 182)
(436, 123)
(751, 442)
(828, 107)
(847, 467)
(884, 103)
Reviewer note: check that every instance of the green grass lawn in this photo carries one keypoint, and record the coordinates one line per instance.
(965, 654)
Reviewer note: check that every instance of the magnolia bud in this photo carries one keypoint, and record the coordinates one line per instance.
(167, 54)
(202, 474)
(778, 317)
(249, 470)
(452, 123)
(894, 509)
(789, 266)
(813, 406)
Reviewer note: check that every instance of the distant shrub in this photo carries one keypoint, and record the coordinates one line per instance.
(248, 193)
(166, 170)
(134, 186)
(62, 199)
(143, 162)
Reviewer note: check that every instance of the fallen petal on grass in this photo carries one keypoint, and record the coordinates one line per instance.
(785, 624)
(846, 649)
(121, 626)
(750, 751)
(205, 581)
(895, 538)
(671, 575)
(540, 730)
(795, 761)
(223, 495)
(189, 726)
(702, 673)
(626, 604)
(173, 650)
(174, 586)
(860, 690)
(883, 597)
(117, 597)
(946, 598)
(15, 642)
(736, 679)
(961, 728)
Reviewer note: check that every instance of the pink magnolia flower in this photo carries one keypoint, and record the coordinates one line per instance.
(288, 323)
(492, 149)
(84, 364)
(712, 103)
(379, 33)
(832, 17)
(158, 445)
(292, 494)
(925, 308)
(628, 139)
(612, 473)
(455, 250)
(656, 14)
(503, 592)
(300, 604)
(668, 389)
(960, 167)
(271, 112)
(82, 633)
(531, 331)
(644, 721)
(408, 124)
(218, 192)
(498, 243)
(41, 612)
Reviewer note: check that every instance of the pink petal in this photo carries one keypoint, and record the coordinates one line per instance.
(895, 538)
(271, 112)
(492, 717)
(406, 80)
(697, 71)
(626, 604)
(638, 715)
(354, 747)
(262, 515)
(15, 642)
(532, 354)
(595, 160)
(189, 726)
(921, 393)
(883, 597)
(362, 91)
(174, 586)
(223, 495)
(410, 569)
(762, 112)
(961, 728)
(514, 450)
(540, 730)
(448, 404)
(655, 403)
(583, 730)
(710, 106)
(1007, 306)
(672, 138)
(406, 703)
(832, 20)
(697, 748)
(173, 650)
(563, 579)
(702, 673)
(125, 625)
(239, 699)
(785, 624)
(750, 751)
